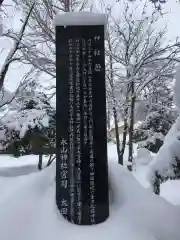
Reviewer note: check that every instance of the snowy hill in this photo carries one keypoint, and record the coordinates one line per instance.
(28, 210)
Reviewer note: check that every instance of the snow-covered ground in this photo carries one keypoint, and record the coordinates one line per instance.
(12, 167)
(140, 170)
(28, 210)
(170, 190)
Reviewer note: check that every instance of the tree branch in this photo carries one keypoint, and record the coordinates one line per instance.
(11, 54)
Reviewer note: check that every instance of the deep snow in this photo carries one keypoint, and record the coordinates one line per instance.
(28, 210)
(170, 190)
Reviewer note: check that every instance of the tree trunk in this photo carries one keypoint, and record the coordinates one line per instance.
(111, 82)
(67, 5)
(40, 162)
(117, 135)
(108, 119)
(124, 136)
(51, 159)
(131, 127)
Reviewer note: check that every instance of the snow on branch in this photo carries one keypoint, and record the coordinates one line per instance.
(24, 120)
(167, 162)
(39, 40)
(10, 58)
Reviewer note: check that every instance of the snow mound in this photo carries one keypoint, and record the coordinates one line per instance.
(143, 156)
(174, 129)
(141, 166)
(165, 159)
(11, 162)
(24, 165)
(170, 190)
(18, 171)
(28, 211)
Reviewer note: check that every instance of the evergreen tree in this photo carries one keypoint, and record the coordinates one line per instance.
(151, 132)
(30, 123)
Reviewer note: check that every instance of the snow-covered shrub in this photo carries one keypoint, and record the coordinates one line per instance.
(151, 132)
(29, 127)
(160, 115)
(167, 161)
(166, 164)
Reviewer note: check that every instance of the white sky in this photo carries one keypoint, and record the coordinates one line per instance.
(17, 71)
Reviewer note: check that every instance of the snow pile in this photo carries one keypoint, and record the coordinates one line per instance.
(167, 160)
(170, 190)
(140, 166)
(174, 129)
(28, 211)
(11, 162)
(80, 19)
(144, 156)
(18, 171)
(112, 152)
(24, 165)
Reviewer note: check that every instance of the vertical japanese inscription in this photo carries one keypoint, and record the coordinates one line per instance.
(71, 131)
(82, 165)
(78, 134)
(91, 137)
(64, 174)
(85, 93)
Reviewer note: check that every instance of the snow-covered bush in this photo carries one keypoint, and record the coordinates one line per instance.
(151, 132)
(29, 125)
(167, 161)
(160, 115)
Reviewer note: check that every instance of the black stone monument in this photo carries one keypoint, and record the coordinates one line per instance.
(81, 167)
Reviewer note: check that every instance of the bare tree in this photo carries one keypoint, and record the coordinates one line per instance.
(67, 5)
(110, 76)
(142, 56)
(39, 43)
(158, 4)
(16, 46)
